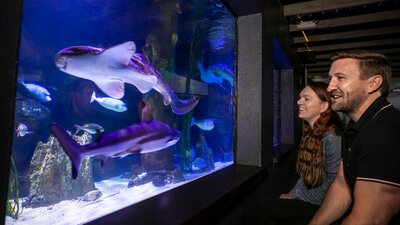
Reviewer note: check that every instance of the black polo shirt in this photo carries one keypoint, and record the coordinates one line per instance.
(371, 146)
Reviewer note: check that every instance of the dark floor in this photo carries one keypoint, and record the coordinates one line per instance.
(280, 179)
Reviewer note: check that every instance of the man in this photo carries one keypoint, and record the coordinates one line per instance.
(366, 189)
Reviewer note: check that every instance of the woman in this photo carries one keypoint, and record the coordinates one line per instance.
(317, 161)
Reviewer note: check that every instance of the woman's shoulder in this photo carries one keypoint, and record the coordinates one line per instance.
(331, 136)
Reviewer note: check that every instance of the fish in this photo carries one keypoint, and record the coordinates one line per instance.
(139, 138)
(209, 77)
(111, 68)
(223, 71)
(91, 128)
(205, 124)
(22, 130)
(109, 103)
(39, 92)
(91, 196)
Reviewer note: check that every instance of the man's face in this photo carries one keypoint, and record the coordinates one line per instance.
(348, 91)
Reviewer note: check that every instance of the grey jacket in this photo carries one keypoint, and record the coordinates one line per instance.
(331, 147)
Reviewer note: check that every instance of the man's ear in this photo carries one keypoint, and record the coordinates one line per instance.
(375, 82)
(324, 107)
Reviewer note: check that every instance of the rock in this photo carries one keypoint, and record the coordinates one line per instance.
(50, 174)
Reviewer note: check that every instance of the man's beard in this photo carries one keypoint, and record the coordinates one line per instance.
(350, 104)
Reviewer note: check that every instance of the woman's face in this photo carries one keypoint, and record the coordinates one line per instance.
(310, 106)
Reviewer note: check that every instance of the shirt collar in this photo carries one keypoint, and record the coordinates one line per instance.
(371, 111)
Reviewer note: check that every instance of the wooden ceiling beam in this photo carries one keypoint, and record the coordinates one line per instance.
(322, 5)
(352, 20)
(383, 51)
(361, 44)
(348, 34)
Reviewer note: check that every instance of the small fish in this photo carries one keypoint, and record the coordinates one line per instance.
(91, 196)
(37, 91)
(91, 128)
(223, 71)
(208, 76)
(205, 124)
(109, 103)
(22, 130)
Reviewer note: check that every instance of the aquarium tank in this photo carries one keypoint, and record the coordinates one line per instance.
(116, 102)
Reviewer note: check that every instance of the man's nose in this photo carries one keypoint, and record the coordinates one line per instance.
(331, 85)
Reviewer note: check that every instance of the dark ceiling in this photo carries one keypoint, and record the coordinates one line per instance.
(322, 27)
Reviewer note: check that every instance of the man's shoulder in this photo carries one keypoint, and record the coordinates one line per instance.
(389, 116)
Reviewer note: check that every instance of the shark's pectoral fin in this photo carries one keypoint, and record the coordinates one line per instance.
(119, 54)
(143, 82)
(112, 87)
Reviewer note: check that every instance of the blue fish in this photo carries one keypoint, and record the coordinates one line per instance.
(208, 76)
(205, 124)
(39, 92)
(111, 68)
(223, 71)
(143, 137)
(109, 103)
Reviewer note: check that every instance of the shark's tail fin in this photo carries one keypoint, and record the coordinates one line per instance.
(70, 146)
(179, 106)
(183, 106)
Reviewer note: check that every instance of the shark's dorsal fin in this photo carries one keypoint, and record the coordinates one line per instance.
(119, 54)
(114, 87)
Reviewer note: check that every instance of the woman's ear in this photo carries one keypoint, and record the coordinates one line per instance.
(324, 107)
(375, 82)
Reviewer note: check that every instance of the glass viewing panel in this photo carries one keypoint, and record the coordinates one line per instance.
(118, 101)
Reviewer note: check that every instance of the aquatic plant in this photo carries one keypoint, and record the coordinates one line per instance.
(184, 144)
(14, 204)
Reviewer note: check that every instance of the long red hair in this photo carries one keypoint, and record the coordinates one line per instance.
(310, 159)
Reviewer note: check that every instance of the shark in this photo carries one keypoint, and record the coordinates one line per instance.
(143, 137)
(111, 68)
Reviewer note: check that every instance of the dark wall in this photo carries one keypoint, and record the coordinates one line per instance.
(274, 29)
(10, 12)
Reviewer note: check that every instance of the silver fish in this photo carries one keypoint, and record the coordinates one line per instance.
(91, 196)
(205, 124)
(22, 130)
(38, 91)
(91, 128)
(109, 103)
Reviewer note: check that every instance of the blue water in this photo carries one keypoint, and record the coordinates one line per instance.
(174, 36)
